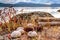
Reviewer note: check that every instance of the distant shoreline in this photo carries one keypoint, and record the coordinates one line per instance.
(36, 7)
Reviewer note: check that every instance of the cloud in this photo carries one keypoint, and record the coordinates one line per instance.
(13, 1)
(31, 1)
(47, 1)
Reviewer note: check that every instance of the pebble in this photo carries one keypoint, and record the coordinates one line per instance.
(19, 28)
(15, 34)
(1, 37)
(32, 34)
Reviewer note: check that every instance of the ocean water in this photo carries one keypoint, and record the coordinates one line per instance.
(51, 10)
(28, 9)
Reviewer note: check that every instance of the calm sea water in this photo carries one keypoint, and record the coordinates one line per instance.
(51, 10)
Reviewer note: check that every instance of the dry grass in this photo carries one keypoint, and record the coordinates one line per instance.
(21, 20)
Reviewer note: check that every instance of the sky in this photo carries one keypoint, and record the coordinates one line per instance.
(31, 1)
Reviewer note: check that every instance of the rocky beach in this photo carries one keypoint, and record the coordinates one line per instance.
(29, 24)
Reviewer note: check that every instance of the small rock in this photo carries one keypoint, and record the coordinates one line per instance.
(32, 34)
(21, 31)
(15, 34)
(19, 28)
(1, 37)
